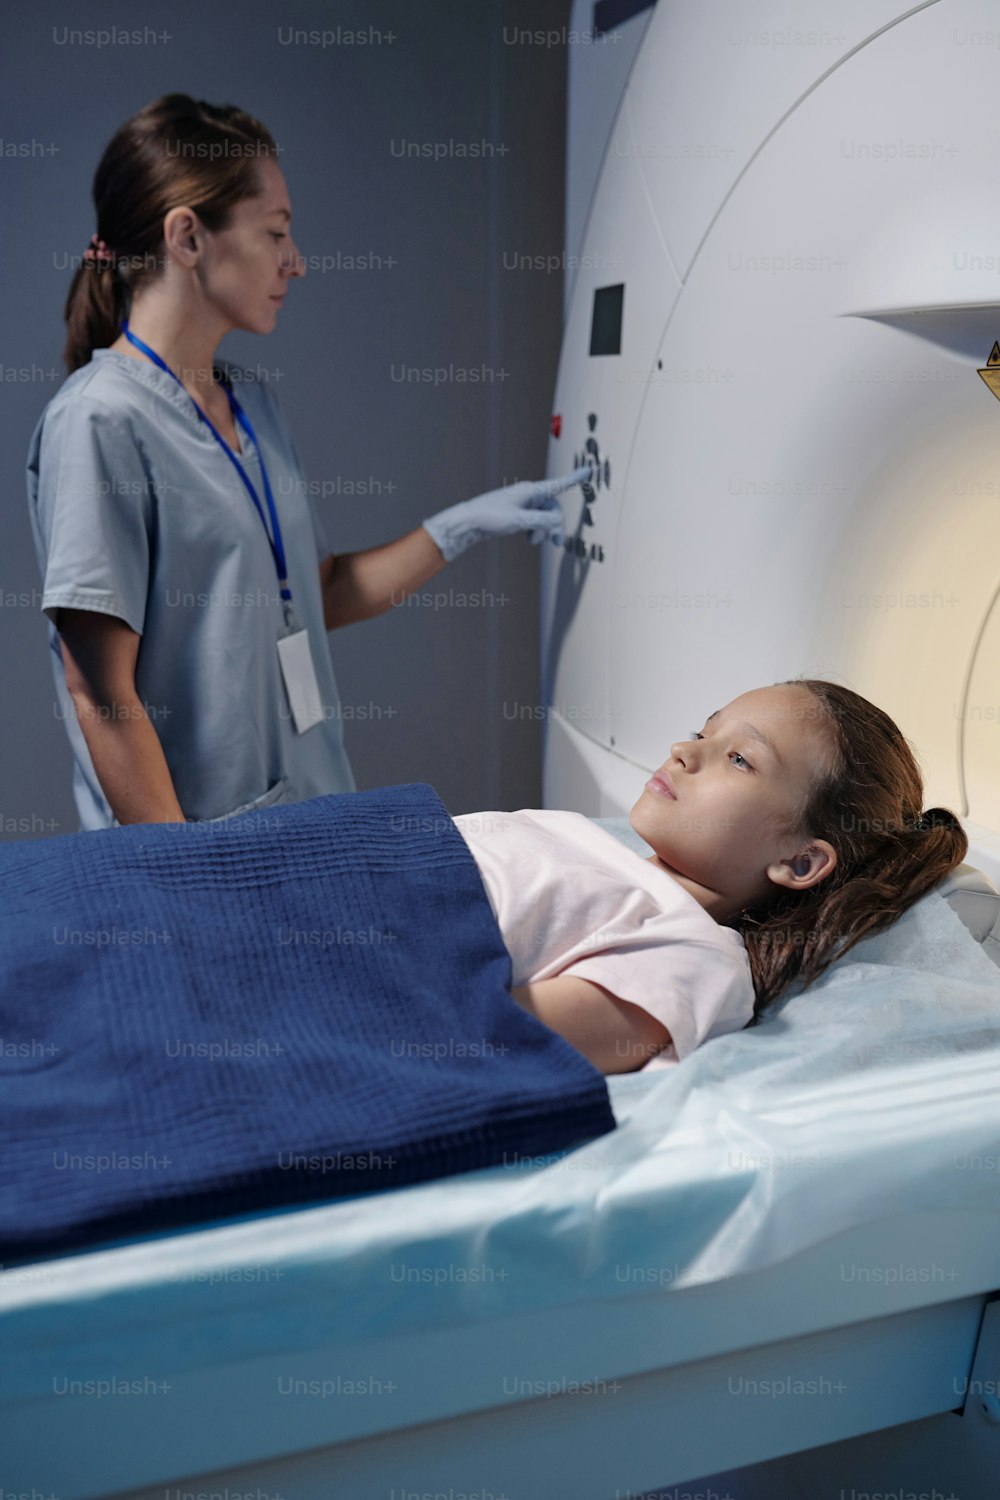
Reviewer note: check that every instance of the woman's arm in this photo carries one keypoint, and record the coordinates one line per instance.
(99, 653)
(358, 585)
(614, 1035)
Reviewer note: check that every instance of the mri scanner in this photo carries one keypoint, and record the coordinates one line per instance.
(780, 352)
(781, 357)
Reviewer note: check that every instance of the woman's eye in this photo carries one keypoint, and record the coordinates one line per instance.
(278, 235)
(695, 734)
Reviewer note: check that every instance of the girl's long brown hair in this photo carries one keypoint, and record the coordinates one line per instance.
(889, 853)
(177, 151)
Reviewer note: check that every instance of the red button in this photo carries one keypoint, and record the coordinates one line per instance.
(556, 425)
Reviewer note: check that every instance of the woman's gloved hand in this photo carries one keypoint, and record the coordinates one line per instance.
(528, 506)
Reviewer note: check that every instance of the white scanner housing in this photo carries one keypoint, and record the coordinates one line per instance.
(798, 459)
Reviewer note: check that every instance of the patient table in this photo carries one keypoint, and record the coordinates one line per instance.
(790, 1240)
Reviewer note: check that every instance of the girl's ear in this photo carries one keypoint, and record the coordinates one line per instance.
(806, 868)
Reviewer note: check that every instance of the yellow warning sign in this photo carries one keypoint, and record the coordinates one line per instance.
(991, 374)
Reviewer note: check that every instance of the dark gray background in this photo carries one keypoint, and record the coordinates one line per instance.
(452, 684)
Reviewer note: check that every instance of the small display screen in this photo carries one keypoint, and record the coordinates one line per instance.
(606, 321)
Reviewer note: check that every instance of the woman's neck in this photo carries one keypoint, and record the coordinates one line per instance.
(185, 342)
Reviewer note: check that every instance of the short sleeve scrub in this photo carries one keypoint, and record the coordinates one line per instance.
(137, 511)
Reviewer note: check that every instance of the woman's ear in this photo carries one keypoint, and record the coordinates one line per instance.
(179, 229)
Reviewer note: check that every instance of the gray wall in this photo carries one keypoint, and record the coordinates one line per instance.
(444, 677)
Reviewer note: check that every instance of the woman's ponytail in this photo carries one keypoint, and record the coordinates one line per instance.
(96, 304)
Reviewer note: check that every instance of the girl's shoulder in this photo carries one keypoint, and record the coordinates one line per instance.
(563, 838)
(602, 834)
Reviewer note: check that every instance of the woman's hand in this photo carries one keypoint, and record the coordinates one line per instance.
(358, 585)
(527, 506)
(616, 1036)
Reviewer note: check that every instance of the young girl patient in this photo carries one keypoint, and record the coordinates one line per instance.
(783, 832)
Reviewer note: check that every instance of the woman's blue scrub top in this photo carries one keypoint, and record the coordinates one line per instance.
(137, 512)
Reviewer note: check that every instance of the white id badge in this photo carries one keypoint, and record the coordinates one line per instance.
(300, 680)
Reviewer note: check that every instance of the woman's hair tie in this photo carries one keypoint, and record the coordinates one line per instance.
(98, 253)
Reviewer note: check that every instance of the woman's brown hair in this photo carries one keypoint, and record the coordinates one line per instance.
(867, 804)
(177, 151)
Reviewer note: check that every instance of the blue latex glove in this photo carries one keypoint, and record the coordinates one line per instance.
(528, 506)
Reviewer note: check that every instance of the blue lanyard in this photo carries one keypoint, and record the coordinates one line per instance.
(276, 544)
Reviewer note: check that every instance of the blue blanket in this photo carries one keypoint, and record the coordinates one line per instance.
(205, 1019)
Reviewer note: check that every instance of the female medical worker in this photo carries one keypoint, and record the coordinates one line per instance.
(185, 577)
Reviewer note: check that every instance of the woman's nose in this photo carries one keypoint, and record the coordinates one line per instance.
(296, 264)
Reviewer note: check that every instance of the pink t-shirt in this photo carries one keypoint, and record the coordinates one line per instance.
(569, 896)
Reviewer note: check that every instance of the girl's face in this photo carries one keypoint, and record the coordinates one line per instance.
(245, 268)
(723, 834)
